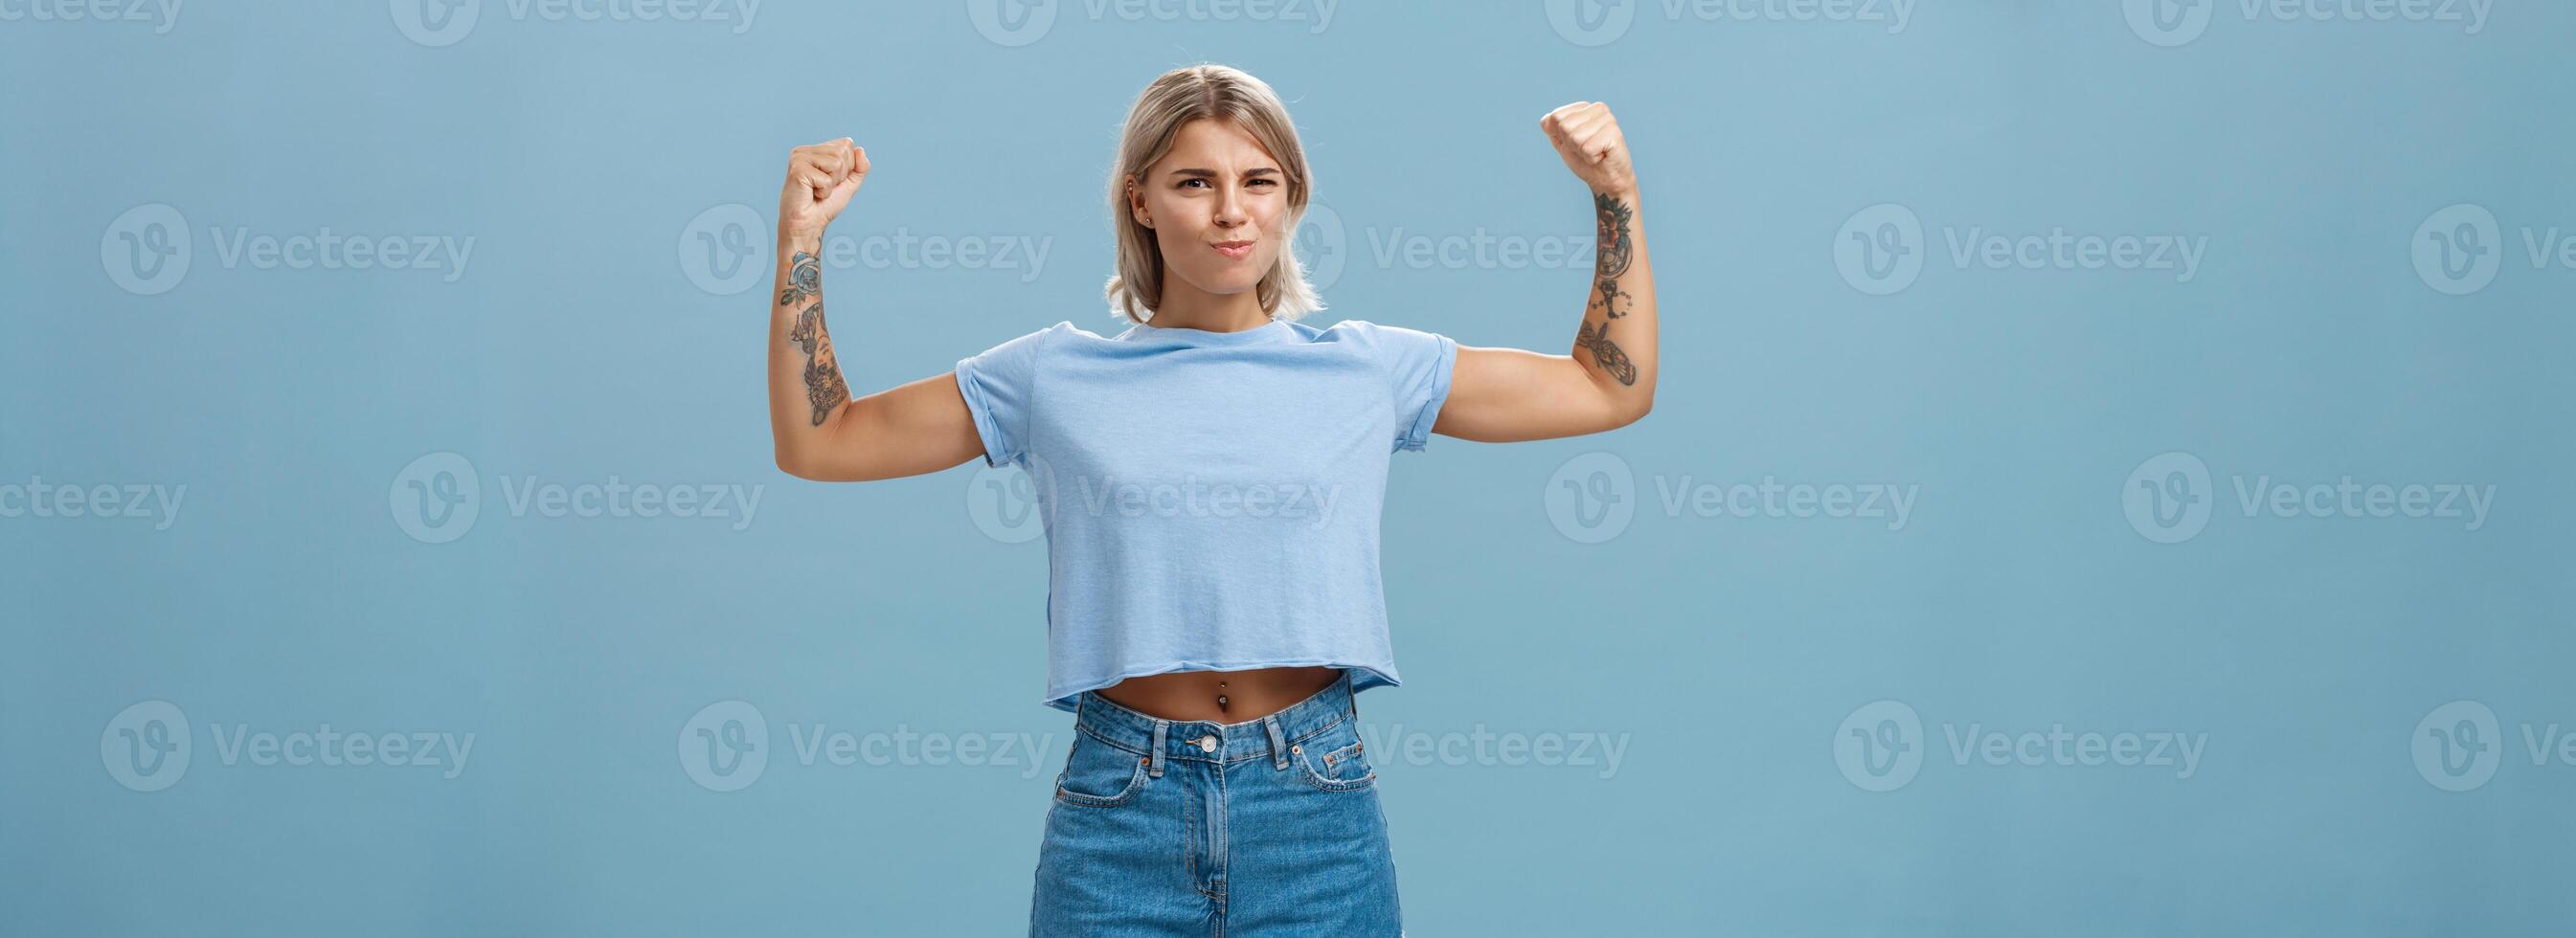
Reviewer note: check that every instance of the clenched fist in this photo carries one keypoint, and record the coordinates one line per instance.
(1588, 139)
(820, 180)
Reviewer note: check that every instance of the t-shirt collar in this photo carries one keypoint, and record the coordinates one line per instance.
(1272, 331)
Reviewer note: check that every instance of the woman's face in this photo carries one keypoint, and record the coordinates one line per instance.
(1218, 205)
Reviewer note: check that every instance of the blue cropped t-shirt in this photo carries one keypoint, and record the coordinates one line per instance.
(1210, 499)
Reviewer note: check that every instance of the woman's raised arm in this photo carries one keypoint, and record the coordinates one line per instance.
(818, 431)
(1499, 395)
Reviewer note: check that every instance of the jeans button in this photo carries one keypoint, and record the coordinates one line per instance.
(1207, 744)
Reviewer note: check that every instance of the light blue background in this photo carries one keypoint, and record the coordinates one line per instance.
(1726, 651)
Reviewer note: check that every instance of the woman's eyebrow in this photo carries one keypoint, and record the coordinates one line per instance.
(1211, 174)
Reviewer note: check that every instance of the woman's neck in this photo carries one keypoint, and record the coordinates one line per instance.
(1188, 307)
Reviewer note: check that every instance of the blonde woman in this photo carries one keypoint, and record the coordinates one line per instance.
(1211, 479)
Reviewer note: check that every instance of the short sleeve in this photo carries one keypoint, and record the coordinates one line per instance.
(999, 386)
(1419, 364)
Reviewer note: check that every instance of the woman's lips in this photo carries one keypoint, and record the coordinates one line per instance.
(1237, 250)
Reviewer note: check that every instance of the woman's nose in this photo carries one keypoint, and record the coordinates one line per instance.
(1229, 208)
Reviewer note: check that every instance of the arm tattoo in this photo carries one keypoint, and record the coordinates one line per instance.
(1606, 354)
(824, 388)
(804, 279)
(1614, 248)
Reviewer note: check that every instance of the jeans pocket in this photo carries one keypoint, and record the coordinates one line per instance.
(1335, 760)
(1099, 775)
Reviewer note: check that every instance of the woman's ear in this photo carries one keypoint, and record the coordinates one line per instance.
(1136, 204)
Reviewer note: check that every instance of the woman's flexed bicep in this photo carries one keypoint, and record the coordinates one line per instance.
(918, 427)
(817, 430)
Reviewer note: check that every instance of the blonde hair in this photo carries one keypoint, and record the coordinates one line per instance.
(1176, 98)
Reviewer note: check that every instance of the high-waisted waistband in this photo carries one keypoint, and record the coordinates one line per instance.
(1158, 740)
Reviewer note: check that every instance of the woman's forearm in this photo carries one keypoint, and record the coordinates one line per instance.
(805, 387)
(1617, 340)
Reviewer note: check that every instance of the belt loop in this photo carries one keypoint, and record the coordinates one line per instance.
(1160, 727)
(1278, 741)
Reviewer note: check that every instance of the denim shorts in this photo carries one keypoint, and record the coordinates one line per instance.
(1268, 827)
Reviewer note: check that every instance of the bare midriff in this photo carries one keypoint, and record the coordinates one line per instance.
(1219, 696)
